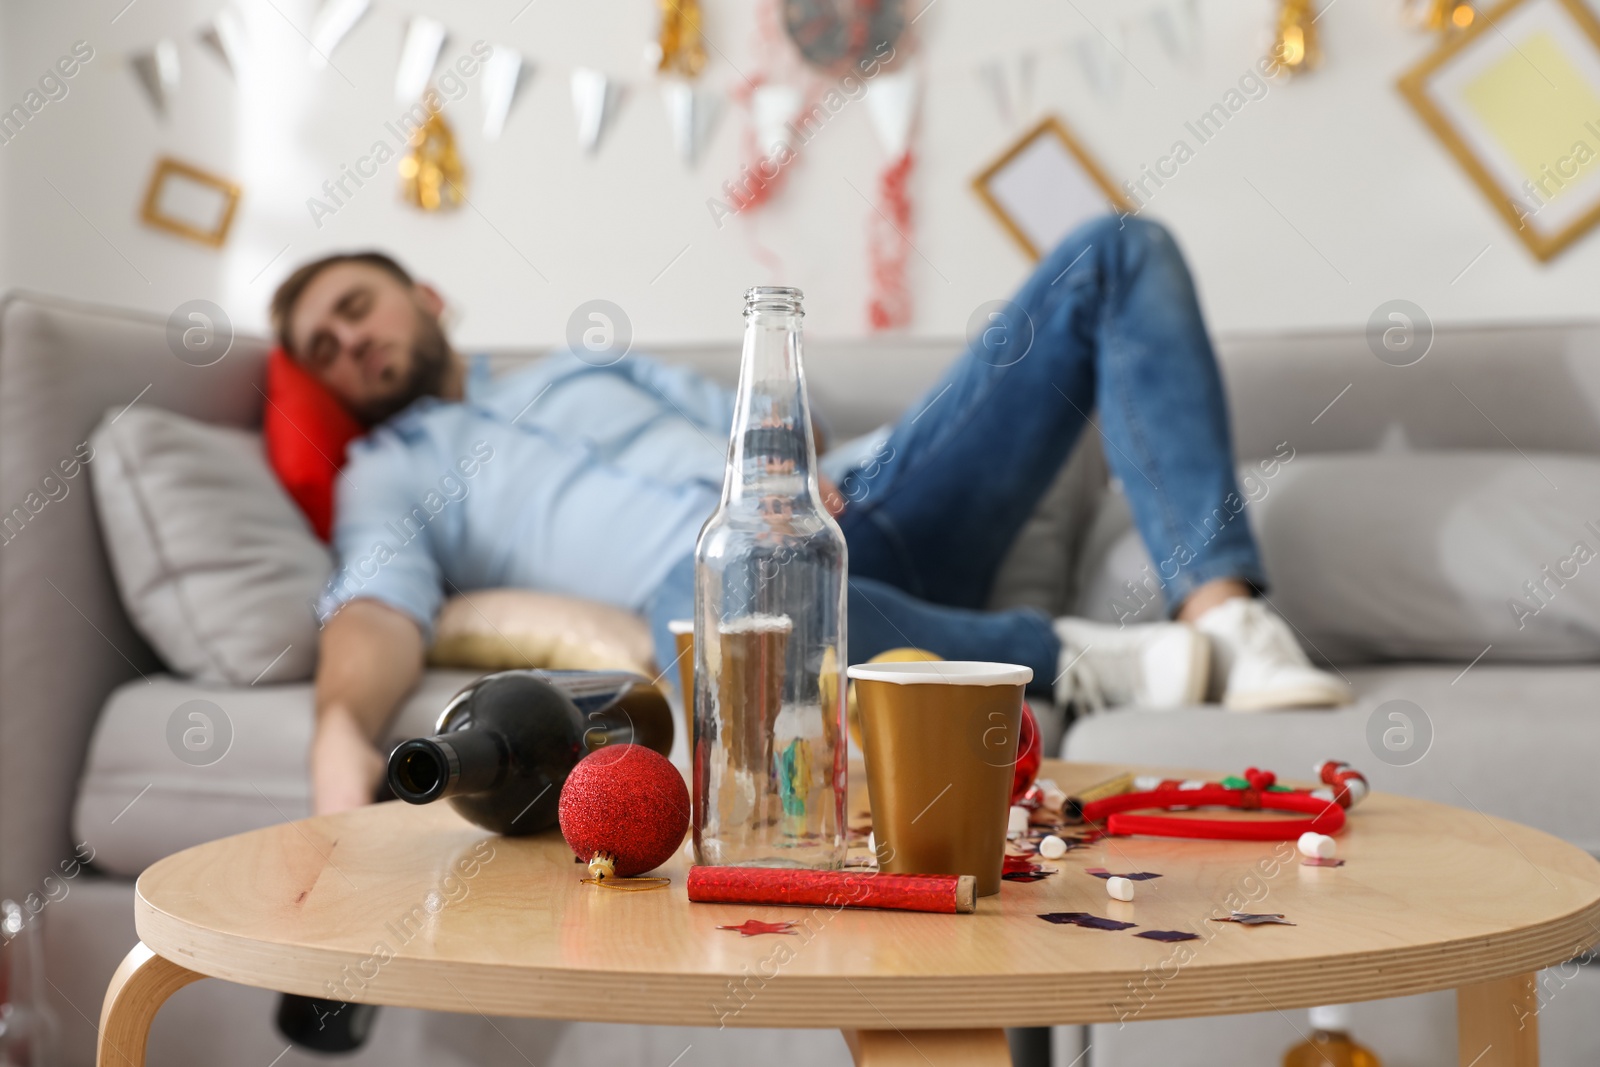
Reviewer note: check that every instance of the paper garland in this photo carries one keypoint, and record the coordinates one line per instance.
(692, 113)
(502, 78)
(595, 98)
(334, 20)
(773, 109)
(158, 73)
(418, 56)
(225, 38)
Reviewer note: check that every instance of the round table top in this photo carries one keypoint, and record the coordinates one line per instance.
(415, 907)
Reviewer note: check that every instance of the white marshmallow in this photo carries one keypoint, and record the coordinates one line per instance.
(1321, 846)
(1120, 888)
(1018, 823)
(1052, 847)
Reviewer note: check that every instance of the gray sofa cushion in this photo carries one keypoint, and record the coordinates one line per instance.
(146, 794)
(215, 564)
(1410, 556)
(1516, 741)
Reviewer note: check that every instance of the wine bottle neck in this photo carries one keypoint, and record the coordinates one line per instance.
(772, 452)
(425, 769)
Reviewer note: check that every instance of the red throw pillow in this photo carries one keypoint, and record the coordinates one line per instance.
(306, 431)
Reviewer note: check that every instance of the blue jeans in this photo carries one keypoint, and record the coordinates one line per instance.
(1108, 321)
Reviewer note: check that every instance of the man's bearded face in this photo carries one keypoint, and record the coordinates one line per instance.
(370, 339)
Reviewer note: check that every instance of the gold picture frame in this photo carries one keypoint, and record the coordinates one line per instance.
(1486, 158)
(1027, 233)
(168, 169)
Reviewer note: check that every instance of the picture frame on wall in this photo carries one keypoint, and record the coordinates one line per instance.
(1044, 186)
(1515, 100)
(184, 200)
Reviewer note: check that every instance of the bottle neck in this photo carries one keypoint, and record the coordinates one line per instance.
(425, 769)
(772, 452)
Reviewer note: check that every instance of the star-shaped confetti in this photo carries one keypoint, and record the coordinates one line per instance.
(1246, 918)
(1085, 920)
(1137, 876)
(1167, 935)
(752, 927)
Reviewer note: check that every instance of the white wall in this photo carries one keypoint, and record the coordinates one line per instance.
(1380, 210)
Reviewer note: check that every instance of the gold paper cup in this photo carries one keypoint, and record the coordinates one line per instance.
(940, 741)
(682, 631)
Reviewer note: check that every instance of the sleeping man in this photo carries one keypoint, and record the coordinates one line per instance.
(594, 481)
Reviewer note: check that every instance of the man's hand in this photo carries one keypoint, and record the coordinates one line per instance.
(371, 657)
(345, 767)
(832, 499)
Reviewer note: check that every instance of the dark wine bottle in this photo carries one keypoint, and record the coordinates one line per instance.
(505, 744)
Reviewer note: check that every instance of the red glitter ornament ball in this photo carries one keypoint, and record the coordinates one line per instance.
(1029, 754)
(627, 801)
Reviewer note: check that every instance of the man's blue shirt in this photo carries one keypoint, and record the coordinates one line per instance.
(562, 477)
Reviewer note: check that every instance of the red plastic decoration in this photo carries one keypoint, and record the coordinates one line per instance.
(1029, 755)
(1327, 817)
(627, 802)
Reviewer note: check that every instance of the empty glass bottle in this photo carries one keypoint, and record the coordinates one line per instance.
(769, 760)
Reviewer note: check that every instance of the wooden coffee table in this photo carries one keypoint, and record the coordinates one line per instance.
(1432, 897)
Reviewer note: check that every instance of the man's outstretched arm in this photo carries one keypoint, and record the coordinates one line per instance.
(371, 658)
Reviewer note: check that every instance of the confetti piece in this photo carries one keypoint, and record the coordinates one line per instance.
(1319, 861)
(1167, 935)
(1245, 918)
(752, 927)
(1138, 876)
(1023, 869)
(1085, 920)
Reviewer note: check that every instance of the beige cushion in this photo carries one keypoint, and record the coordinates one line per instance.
(503, 629)
(215, 564)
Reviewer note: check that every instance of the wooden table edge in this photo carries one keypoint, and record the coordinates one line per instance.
(908, 1002)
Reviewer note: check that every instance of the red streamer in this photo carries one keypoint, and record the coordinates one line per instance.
(889, 248)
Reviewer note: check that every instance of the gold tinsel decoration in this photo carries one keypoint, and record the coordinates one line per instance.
(431, 174)
(1295, 45)
(680, 45)
(1441, 16)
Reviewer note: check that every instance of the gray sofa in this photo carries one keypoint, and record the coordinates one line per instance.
(84, 703)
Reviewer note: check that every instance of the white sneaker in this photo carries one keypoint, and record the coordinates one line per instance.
(1158, 665)
(1259, 664)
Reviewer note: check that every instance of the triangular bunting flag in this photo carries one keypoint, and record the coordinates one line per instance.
(334, 19)
(1178, 27)
(157, 71)
(1023, 68)
(773, 109)
(993, 76)
(595, 97)
(418, 56)
(226, 39)
(502, 77)
(892, 105)
(692, 113)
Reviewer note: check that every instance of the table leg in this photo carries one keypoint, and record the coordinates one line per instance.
(1498, 1023)
(919, 1048)
(142, 984)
